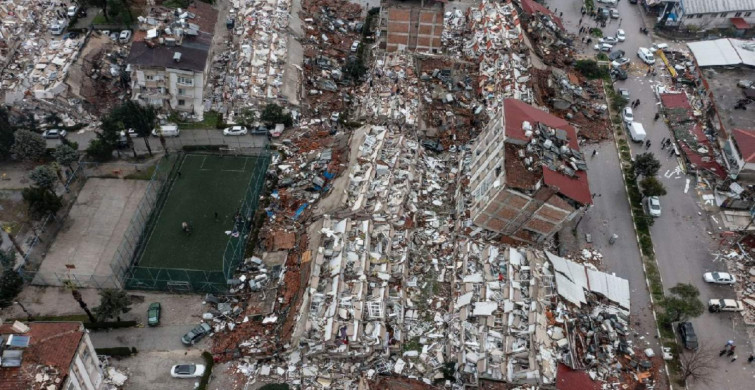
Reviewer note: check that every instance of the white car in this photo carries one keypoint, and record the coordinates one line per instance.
(54, 133)
(627, 115)
(187, 371)
(235, 130)
(654, 206)
(603, 47)
(609, 40)
(719, 278)
(646, 55)
(354, 46)
(71, 12)
(124, 36)
(618, 63)
(717, 305)
(609, 2)
(614, 13)
(620, 35)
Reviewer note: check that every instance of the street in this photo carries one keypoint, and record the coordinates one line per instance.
(187, 137)
(682, 235)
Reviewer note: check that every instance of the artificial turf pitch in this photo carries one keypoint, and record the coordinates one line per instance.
(206, 184)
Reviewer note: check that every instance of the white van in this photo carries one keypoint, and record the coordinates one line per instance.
(168, 130)
(636, 131)
(646, 55)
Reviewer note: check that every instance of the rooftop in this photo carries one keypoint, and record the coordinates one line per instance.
(746, 142)
(531, 7)
(722, 83)
(52, 344)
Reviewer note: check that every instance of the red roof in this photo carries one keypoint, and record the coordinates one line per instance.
(568, 379)
(675, 100)
(51, 344)
(575, 188)
(745, 143)
(739, 23)
(531, 7)
(516, 112)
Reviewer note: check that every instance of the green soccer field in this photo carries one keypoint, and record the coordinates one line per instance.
(205, 185)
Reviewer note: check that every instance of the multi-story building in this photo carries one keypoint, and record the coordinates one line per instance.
(413, 25)
(528, 176)
(707, 14)
(48, 355)
(169, 60)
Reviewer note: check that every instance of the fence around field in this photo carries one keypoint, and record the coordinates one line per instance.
(187, 280)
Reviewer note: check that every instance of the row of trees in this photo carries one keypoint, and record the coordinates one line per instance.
(116, 123)
(647, 166)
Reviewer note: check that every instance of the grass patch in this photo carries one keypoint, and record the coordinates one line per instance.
(210, 120)
(145, 174)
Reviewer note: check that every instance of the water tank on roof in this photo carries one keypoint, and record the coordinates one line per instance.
(547, 144)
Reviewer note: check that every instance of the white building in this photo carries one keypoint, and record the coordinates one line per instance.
(60, 354)
(708, 14)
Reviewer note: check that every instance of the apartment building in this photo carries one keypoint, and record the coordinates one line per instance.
(169, 58)
(707, 14)
(528, 176)
(48, 355)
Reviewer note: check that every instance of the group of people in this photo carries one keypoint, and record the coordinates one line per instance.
(729, 352)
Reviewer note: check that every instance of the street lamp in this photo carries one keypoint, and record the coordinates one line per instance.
(28, 315)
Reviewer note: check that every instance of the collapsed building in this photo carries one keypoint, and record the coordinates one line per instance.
(169, 55)
(528, 176)
(413, 26)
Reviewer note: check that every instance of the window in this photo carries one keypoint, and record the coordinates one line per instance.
(181, 91)
(699, 16)
(738, 14)
(149, 77)
(181, 102)
(185, 80)
(724, 14)
(748, 13)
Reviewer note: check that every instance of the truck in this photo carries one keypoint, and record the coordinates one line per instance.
(636, 131)
(718, 305)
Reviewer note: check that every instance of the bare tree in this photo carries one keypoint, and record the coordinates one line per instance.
(697, 366)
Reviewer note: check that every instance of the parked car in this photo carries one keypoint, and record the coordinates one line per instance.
(627, 115)
(71, 12)
(187, 371)
(609, 2)
(603, 47)
(355, 46)
(608, 40)
(132, 133)
(54, 133)
(614, 13)
(624, 93)
(57, 28)
(687, 333)
(616, 54)
(618, 63)
(745, 83)
(718, 305)
(235, 130)
(153, 314)
(659, 46)
(196, 334)
(646, 55)
(654, 206)
(719, 278)
(619, 74)
(167, 130)
(124, 36)
(620, 35)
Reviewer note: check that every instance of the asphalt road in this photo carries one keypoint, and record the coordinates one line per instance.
(187, 137)
(164, 338)
(681, 236)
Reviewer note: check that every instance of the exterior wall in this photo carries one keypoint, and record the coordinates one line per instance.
(712, 20)
(163, 89)
(414, 29)
(85, 372)
(488, 155)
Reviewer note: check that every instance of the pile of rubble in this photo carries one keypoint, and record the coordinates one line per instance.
(392, 95)
(742, 267)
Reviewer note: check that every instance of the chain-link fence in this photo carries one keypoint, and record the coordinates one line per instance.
(187, 280)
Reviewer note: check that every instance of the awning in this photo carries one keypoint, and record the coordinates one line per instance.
(740, 23)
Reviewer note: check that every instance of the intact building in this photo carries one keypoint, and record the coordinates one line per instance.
(528, 176)
(707, 14)
(414, 26)
(48, 355)
(169, 58)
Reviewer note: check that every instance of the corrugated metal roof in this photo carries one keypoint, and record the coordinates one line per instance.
(573, 278)
(723, 52)
(716, 6)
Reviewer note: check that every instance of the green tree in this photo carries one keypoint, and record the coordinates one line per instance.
(113, 303)
(245, 117)
(590, 69)
(28, 145)
(618, 103)
(646, 164)
(65, 155)
(43, 177)
(6, 134)
(11, 285)
(682, 303)
(99, 150)
(354, 69)
(273, 114)
(7, 259)
(41, 201)
(651, 186)
(131, 115)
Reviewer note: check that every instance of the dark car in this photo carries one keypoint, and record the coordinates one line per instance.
(196, 334)
(153, 314)
(619, 74)
(687, 333)
(616, 54)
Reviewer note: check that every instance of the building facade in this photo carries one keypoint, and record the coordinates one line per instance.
(528, 177)
(61, 353)
(414, 27)
(708, 14)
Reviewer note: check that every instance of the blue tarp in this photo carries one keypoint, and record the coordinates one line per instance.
(300, 210)
(329, 175)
